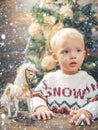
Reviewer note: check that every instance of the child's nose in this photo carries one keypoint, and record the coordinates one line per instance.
(73, 55)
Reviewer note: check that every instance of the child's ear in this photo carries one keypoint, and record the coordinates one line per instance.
(54, 56)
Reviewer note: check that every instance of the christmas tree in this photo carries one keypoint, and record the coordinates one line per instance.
(50, 16)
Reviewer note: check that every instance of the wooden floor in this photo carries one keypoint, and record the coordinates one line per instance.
(23, 122)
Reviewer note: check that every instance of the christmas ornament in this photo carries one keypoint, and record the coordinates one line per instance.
(49, 20)
(35, 30)
(66, 11)
(59, 1)
(50, 30)
(44, 2)
(48, 63)
(49, 1)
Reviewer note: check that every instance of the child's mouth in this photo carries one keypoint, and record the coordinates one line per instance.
(73, 64)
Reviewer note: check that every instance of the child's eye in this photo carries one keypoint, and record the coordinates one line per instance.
(78, 50)
(66, 52)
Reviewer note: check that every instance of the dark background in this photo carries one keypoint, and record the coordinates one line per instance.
(15, 18)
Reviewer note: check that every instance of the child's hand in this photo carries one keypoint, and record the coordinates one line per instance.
(80, 115)
(73, 111)
(43, 113)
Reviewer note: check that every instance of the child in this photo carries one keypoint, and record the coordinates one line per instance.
(67, 90)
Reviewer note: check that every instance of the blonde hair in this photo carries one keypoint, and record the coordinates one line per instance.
(65, 33)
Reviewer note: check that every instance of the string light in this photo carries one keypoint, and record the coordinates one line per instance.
(94, 65)
(88, 54)
(94, 48)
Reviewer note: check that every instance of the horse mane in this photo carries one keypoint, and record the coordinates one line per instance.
(20, 77)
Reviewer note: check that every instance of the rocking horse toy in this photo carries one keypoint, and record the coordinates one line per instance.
(20, 90)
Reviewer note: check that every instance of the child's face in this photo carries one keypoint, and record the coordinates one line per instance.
(70, 55)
